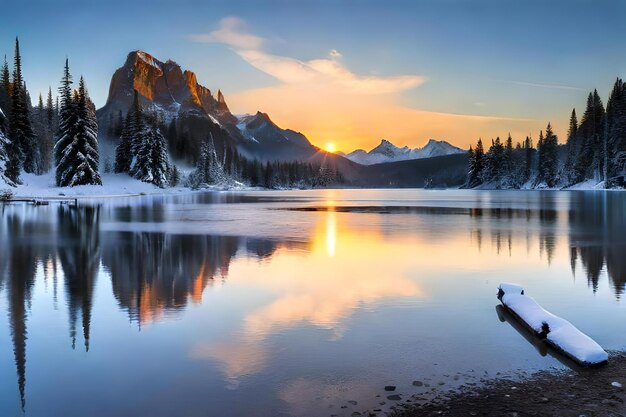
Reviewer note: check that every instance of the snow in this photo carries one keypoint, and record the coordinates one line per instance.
(214, 120)
(561, 334)
(149, 60)
(113, 185)
(507, 288)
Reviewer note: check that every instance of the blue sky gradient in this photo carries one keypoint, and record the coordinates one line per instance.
(530, 60)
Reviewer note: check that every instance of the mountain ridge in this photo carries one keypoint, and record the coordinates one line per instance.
(386, 151)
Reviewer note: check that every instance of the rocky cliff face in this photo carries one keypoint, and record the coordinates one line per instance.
(163, 87)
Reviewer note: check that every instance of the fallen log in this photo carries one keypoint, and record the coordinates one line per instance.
(557, 332)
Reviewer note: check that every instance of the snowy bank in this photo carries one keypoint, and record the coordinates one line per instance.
(557, 332)
(113, 185)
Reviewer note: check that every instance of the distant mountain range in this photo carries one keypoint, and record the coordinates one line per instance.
(193, 112)
(388, 152)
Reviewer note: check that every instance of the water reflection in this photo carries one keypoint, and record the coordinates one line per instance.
(598, 237)
(355, 255)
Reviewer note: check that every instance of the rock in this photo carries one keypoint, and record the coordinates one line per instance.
(418, 383)
(352, 402)
(616, 384)
(394, 397)
(355, 414)
(390, 387)
(544, 400)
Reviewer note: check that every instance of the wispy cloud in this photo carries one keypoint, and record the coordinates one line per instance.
(543, 85)
(232, 31)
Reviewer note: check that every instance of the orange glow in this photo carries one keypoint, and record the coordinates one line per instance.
(356, 121)
(330, 147)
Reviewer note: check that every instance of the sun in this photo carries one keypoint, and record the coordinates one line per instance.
(330, 147)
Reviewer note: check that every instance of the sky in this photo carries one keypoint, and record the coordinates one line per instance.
(347, 73)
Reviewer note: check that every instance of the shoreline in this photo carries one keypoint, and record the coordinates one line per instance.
(574, 392)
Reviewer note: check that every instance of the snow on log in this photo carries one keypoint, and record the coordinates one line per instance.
(557, 332)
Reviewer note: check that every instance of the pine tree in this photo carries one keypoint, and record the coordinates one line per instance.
(67, 120)
(528, 158)
(572, 149)
(126, 150)
(76, 150)
(50, 110)
(21, 131)
(477, 164)
(5, 87)
(44, 136)
(208, 170)
(152, 162)
(616, 135)
(4, 144)
(549, 158)
(88, 132)
(590, 156)
(507, 163)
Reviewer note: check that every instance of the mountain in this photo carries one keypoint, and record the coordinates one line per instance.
(192, 112)
(388, 152)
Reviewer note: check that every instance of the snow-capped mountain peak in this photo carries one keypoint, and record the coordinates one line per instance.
(388, 152)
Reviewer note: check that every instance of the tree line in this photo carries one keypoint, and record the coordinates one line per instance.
(142, 152)
(61, 135)
(595, 150)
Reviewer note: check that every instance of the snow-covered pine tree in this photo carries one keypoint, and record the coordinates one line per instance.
(152, 162)
(208, 170)
(21, 131)
(67, 121)
(87, 132)
(616, 135)
(133, 126)
(76, 151)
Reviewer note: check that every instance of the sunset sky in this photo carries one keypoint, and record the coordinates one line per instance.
(351, 72)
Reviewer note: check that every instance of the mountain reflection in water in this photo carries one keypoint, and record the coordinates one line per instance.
(344, 261)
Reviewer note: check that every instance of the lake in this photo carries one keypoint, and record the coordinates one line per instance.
(292, 303)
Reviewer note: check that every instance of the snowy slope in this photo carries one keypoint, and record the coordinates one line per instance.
(388, 152)
(113, 185)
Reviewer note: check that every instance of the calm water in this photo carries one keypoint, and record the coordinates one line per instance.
(291, 303)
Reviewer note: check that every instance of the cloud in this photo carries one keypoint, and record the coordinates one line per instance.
(329, 102)
(320, 72)
(232, 31)
(543, 85)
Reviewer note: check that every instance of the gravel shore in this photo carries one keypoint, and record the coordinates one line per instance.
(582, 392)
